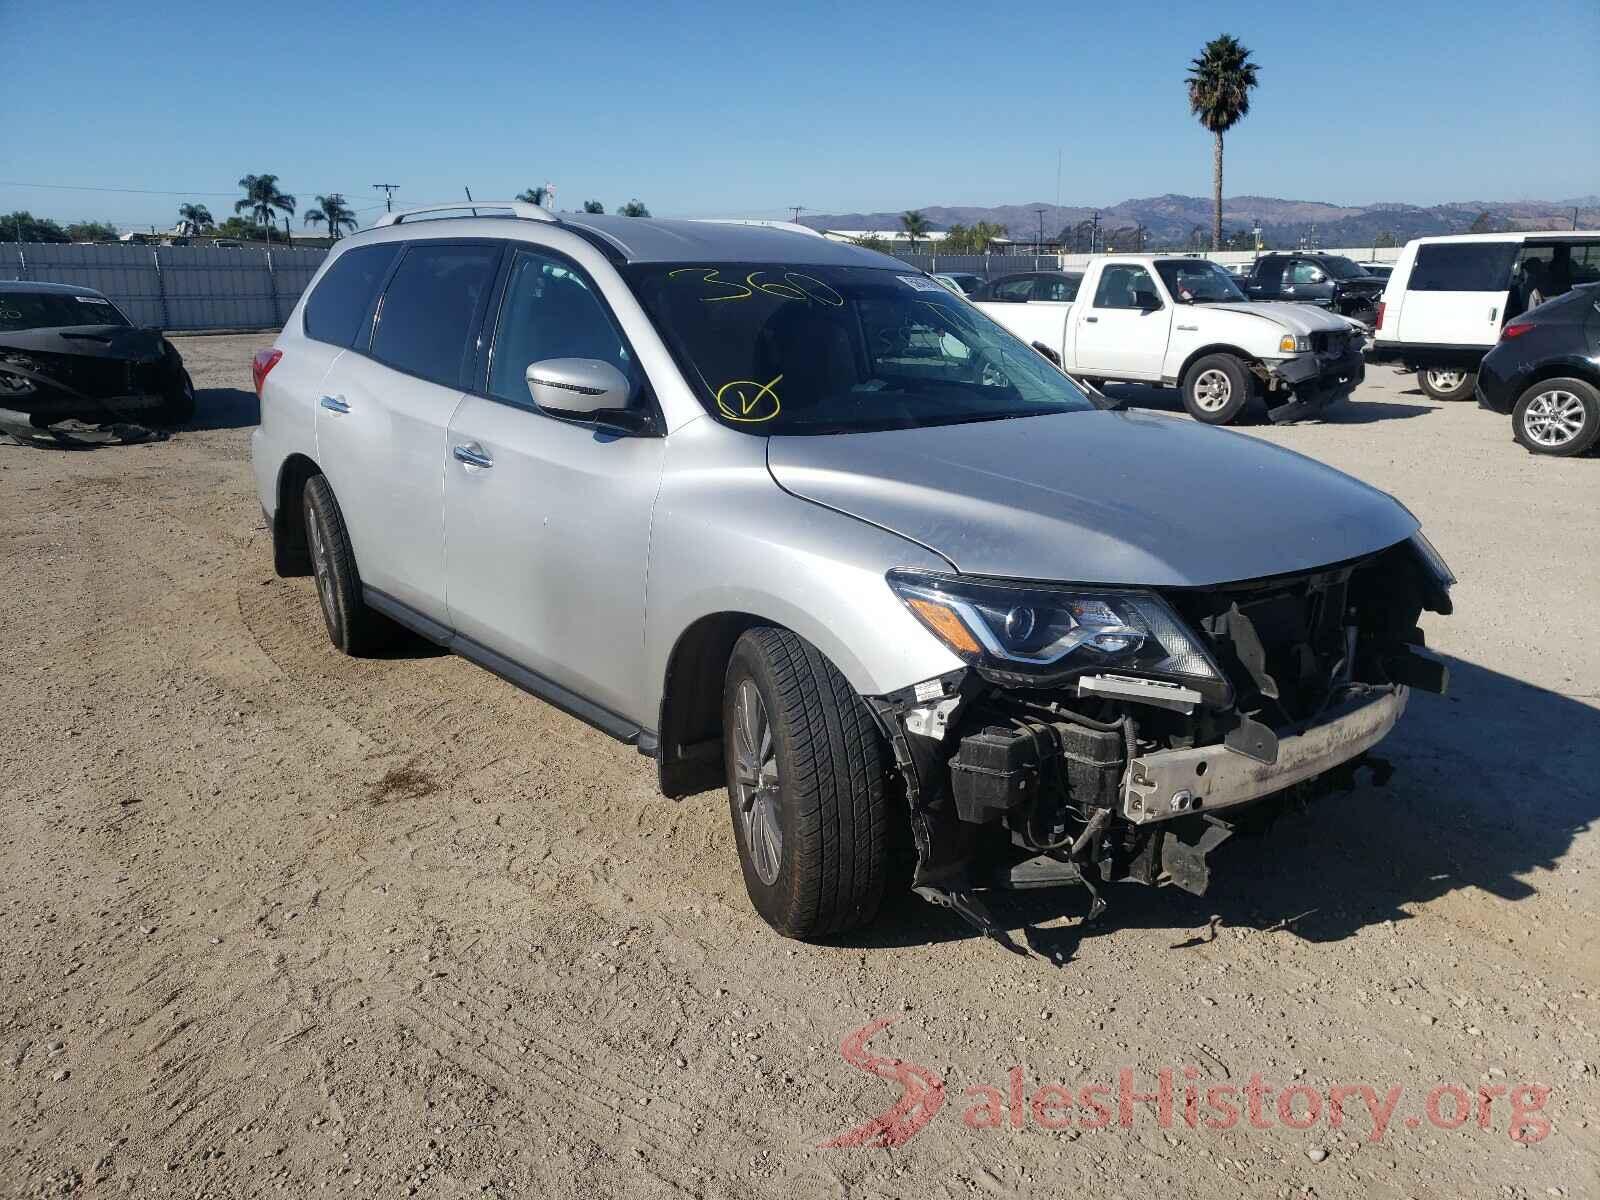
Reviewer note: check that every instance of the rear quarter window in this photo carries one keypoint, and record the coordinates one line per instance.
(432, 308)
(338, 307)
(1463, 267)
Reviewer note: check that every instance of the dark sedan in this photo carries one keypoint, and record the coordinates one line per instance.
(1545, 372)
(1057, 286)
(68, 351)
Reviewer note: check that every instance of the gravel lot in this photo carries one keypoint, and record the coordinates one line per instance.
(279, 922)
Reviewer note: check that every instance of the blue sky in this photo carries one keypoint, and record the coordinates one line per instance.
(744, 109)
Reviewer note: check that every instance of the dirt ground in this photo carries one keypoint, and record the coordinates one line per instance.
(282, 923)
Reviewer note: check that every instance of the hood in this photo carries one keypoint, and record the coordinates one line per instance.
(1297, 318)
(121, 342)
(1096, 497)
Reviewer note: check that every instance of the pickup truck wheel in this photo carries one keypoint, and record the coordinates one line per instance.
(352, 626)
(1444, 384)
(1216, 389)
(1557, 416)
(807, 790)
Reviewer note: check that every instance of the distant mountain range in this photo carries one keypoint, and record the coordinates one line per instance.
(1170, 220)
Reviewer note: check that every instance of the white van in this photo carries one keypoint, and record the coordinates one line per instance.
(1449, 297)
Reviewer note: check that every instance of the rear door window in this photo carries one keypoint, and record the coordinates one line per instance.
(1463, 267)
(1125, 287)
(432, 309)
(342, 302)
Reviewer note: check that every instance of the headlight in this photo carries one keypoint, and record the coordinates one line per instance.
(1290, 344)
(1038, 635)
(1433, 561)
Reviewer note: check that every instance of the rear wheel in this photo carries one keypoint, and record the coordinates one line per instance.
(806, 787)
(1216, 389)
(1558, 416)
(1445, 384)
(352, 625)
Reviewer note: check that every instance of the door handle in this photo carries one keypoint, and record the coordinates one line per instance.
(334, 404)
(472, 455)
(1090, 320)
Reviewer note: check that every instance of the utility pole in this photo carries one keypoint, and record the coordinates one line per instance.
(1094, 231)
(800, 208)
(1574, 216)
(1038, 246)
(389, 190)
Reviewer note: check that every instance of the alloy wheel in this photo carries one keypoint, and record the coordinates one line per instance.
(1446, 381)
(1212, 390)
(322, 568)
(1553, 418)
(756, 782)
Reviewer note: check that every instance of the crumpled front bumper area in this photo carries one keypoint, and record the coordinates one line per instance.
(1315, 381)
(1172, 783)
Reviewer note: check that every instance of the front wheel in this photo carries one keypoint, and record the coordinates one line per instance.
(1560, 417)
(177, 402)
(1216, 389)
(807, 790)
(1444, 384)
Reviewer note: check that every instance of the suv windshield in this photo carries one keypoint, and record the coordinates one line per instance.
(786, 349)
(55, 310)
(1342, 268)
(1197, 281)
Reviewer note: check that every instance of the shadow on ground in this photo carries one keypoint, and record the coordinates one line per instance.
(224, 408)
(1465, 809)
(1345, 412)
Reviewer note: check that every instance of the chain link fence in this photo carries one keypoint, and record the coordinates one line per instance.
(176, 288)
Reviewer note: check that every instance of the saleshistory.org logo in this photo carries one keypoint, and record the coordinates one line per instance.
(1178, 1095)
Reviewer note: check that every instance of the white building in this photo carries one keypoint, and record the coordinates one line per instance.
(928, 243)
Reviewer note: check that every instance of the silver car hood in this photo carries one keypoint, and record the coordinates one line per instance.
(1096, 497)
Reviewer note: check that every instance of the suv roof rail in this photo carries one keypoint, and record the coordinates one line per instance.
(519, 209)
(790, 226)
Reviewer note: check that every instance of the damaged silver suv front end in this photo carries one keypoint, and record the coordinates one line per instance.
(1097, 735)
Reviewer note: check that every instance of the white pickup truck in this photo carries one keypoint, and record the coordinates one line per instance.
(1183, 322)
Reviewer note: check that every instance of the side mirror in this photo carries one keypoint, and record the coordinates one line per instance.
(577, 387)
(1149, 304)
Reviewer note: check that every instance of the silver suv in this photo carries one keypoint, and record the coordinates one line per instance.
(792, 517)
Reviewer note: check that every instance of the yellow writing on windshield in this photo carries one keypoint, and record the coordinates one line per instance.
(795, 285)
(748, 401)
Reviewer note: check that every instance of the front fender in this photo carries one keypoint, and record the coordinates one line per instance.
(727, 539)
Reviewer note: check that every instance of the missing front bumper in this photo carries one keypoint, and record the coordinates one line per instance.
(1174, 783)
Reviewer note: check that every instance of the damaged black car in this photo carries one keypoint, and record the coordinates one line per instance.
(69, 353)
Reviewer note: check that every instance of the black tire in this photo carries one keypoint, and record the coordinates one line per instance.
(1205, 395)
(1444, 384)
(1559, 417)
(352, 626)
(177, 404)
(830, 798)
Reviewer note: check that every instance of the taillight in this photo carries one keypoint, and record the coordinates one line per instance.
(1379, 325)
(1515, 329)
(261, 364)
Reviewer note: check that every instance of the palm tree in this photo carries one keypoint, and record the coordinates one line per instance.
(261, 196)
(915, 225)
(982, 234)
(535, 196)
(192, 218)
(332, 209)
(1219, 94)
(633, 208)
(593, 206)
